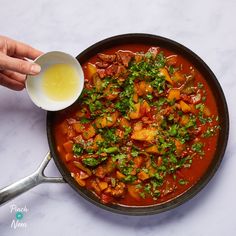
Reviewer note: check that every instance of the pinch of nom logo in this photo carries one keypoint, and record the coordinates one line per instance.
(18, 220)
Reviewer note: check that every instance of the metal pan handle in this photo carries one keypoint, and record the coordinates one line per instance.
(21, 186)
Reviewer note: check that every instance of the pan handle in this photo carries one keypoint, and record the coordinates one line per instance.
(21, 186)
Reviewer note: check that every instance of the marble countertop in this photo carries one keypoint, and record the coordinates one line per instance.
(205, 26)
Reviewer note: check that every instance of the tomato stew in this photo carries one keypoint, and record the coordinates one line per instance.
(144, 130)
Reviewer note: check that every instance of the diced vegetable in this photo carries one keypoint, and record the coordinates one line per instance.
(69, 157)
(134, 192)
(144, 135)
(68, 146)
(136, 113)
(164, 72)
(106, 120)
(143, 175)
(89, 132)
(91, 68)
(78, 127)
(119, 175)
(152, 149)
(102, 185)
(184, 107)
(174, 94)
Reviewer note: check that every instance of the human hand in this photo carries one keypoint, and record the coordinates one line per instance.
(13, 64)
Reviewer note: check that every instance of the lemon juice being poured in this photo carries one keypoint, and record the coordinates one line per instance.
(60, 82)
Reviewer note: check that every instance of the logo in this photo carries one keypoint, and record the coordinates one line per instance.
(18, 216)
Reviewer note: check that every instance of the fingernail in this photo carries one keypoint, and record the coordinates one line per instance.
(35, 68)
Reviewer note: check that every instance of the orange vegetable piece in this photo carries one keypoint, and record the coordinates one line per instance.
(144, 88)
(184, 120)
(95, 187)
(69, 157)
(91, 69)
(136, 113)
(98, 138)
(133, 191)
(152, 149)
(135, 97)
(143, 175)
(124, 123)
(184, 106)
(144, 135)
(78, 127)
(174, 94)
(159, 161)
(107, 121)
(102, 185)
(206, 111)
(111, 92)
(178, 77)
(179, 146)
(64, 127)
(68, 146)
(145, 107)
(138, 161)
(119, 175)
(89, 132)
(165, 73)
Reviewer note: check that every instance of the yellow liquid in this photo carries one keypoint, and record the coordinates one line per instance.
(60, 82)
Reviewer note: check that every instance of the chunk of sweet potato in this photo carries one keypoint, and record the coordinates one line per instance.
(133, 191)
(124, 123)
(102, 185)
(144, 135)
(111, 92)
(152, 149)
(174, 94)
(144, 88)
(119, 175)
(91, 69)
(165, 73)
(89, 132)
(184, 106)
(107, 121)
(78, 127)
(68, 146)
(144, 108)
(135, 114)
(69, 157)
(143, 175)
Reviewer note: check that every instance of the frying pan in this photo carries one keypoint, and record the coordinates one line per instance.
(38, 176)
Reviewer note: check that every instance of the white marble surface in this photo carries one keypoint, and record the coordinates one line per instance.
(205, 26)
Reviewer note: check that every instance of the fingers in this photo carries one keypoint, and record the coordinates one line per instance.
(12, 83)
(18, 65)
(21, 49)
(14, 75)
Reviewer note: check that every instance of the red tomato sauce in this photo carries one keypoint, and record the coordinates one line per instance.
(170, 188)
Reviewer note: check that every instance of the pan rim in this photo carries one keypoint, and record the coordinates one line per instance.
(204, 180)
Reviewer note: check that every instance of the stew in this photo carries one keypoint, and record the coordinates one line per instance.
(144, 129)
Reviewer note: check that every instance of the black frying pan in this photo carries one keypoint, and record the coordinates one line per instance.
(152, 40)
